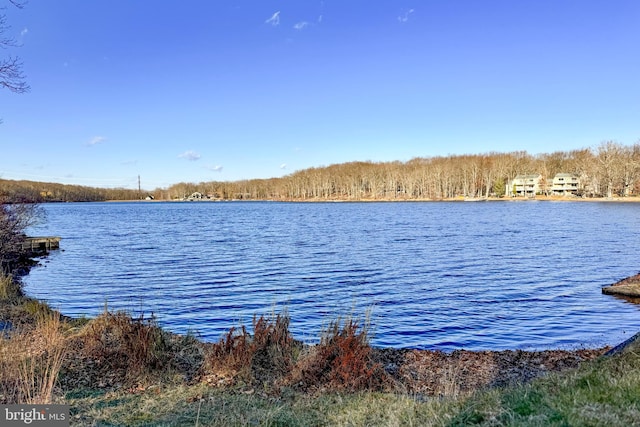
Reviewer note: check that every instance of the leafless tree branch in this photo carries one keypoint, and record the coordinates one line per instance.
(18, 4)
(11, 75)
(16, 215)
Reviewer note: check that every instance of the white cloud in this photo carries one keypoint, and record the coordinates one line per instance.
(24, 32)
(190, 155)
(320, 19)
(274, 20)
(283, 166)
(96, 140)
(301, 25)
(214, 168)
(404, 16)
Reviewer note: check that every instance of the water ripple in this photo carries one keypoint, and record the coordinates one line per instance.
(435, 275)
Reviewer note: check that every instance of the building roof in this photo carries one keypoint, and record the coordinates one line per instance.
(530, 176)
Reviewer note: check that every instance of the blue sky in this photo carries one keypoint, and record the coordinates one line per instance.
(236, 89)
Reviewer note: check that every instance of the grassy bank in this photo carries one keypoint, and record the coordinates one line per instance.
(599, 393)
(116, 369)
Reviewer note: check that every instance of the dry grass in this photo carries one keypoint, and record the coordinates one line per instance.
(121, 341)
(120, 370)
(117, 350)
(599, 393)
(7, 287)
(39, 372)
(30, 362)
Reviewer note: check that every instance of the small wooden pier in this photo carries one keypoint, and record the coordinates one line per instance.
(41, 244)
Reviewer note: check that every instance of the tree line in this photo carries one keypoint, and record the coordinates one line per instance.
(43, 192)
(610, 169)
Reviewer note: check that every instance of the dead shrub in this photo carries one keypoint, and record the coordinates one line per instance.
(186, 356)
(342, 361)
(261, 358)
(273, 348)
(230, 357)
(116, 349)
(123, 341)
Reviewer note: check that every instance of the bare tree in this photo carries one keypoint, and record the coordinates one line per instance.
(610, 157)
(15, 217)
(11, 74)
(630, 168)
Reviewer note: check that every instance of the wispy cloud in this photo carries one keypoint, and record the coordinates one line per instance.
(96, 140)
(404, 15)
(214, 168)
(283, 166)
(301, 25)
(23, 33)
(190, 155)
(274, 20)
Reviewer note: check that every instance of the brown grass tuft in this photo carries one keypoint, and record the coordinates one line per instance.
(123, 342)
(116, 350)
(264, 358)
(341, 362)
(229, 357)
(274, 348)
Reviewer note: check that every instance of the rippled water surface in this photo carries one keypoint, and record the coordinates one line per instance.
(489, 275)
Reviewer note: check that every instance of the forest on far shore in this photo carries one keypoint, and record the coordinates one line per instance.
(610, 169)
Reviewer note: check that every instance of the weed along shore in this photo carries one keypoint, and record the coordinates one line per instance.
(118, 369)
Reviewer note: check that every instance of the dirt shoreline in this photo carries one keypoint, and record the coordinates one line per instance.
(435, 373)
(432, 372)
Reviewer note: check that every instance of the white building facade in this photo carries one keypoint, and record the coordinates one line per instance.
(524, 186)
(565, 184)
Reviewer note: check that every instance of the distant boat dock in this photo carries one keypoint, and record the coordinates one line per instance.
(41, 244)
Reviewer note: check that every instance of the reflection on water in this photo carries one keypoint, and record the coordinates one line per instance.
(631, 300)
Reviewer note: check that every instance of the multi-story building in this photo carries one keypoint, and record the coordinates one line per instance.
(565, 184)
(524, 186)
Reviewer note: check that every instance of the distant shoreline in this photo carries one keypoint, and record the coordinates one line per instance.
(630, 199)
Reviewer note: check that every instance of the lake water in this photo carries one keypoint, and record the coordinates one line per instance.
(478, 276)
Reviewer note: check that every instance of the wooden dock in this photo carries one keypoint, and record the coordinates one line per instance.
(41, 244)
